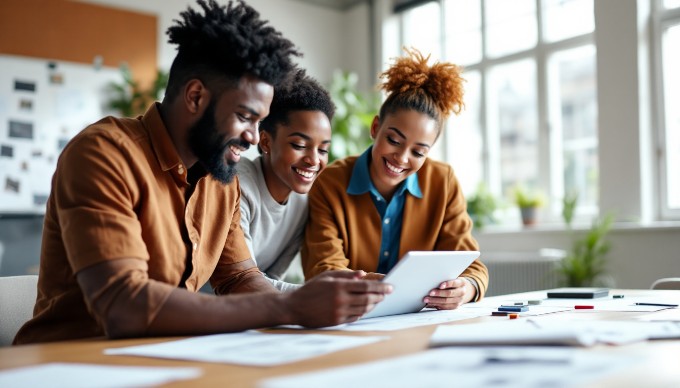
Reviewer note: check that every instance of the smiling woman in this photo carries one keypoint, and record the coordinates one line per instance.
(294, 145)
(367, 212)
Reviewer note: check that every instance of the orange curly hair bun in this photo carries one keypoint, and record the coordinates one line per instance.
(441, 82)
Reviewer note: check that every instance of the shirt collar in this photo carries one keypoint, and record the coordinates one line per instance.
(166, 152)
(360, 181)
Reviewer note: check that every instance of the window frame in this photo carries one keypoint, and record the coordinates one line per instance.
(547, 140)
(662, 19)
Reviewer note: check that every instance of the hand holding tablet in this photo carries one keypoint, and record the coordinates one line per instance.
(415, 275)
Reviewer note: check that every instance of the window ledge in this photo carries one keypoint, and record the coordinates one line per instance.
(560, 227)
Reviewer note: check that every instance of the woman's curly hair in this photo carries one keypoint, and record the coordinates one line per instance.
(225, 43)
(412, 84)
(298, 92)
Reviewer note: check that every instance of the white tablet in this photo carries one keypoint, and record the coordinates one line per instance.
(415, 275)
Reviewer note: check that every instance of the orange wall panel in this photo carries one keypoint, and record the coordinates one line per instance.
(78, 32)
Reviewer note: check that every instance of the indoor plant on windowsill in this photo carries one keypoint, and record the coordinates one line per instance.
(528, 203)
(585, 263)
(481, 206)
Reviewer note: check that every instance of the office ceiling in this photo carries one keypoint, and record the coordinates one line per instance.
(335, 4)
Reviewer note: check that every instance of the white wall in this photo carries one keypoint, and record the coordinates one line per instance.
(322, 34)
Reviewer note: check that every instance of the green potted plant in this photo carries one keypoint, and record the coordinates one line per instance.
(585, 263)
(481, 207)
(528, 203)
(129, 99)
(353, 116)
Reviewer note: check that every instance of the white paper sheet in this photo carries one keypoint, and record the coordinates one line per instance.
(536, 331)
(406, 321)
(428, 317)
(248, 348)
(57, 375)
(467, 367)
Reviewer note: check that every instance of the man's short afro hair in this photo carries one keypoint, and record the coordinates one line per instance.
(229, 41)
(299, 92)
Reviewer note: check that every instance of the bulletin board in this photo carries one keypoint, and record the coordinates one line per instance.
(43, 104)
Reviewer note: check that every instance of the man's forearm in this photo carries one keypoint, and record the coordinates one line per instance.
(127, 303)
(190, 313)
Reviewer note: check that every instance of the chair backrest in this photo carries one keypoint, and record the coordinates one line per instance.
(666, 284)
(17, 299)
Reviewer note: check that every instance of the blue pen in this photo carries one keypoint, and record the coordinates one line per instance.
(656, 304)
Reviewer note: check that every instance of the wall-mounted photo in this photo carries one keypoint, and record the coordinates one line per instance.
(56, 78)
(12, 185)
(39, 199)
(61, 143)
(20, 130)
(26, 105)
(6, 151)
(26, 86)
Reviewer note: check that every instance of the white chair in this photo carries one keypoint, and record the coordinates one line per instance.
(666, 284)
(17, 299)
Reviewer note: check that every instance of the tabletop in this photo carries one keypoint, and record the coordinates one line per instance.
(659, 360)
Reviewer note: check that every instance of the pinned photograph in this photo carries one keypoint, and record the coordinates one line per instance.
(12, 185)
(6, 151)
(20, 130)
(61, 143)
(39, 199)
(26, 105)
(56, 78)
(26, 86)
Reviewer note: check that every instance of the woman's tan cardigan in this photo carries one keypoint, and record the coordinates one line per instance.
(344, 230)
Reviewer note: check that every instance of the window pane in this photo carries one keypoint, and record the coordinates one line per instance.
(390, 42)
(671, 3)
(464, 137)
(671, 77)
(463, 31)
(512, 122)
(510, 26)
(564, 19)
(572, 88)
(422, 29)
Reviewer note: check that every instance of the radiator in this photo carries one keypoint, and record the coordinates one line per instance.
(512, 272)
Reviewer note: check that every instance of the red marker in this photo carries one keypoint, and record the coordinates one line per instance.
(583, 307)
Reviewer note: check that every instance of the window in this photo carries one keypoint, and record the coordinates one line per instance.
(668, 37)
(531, 94)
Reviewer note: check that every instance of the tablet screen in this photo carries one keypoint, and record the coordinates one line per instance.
(415, 275)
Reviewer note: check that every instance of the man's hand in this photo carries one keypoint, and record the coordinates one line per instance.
(334, 298)
(450, 295)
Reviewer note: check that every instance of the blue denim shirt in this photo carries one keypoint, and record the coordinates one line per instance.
(391, 214)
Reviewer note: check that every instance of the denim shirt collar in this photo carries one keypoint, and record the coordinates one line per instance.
(360, 181)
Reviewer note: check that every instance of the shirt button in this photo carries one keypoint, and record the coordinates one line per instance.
(377, 199)
(386, 253)
(387, 221)
(180, 169)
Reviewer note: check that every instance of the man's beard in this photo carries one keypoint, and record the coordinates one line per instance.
(209, 146)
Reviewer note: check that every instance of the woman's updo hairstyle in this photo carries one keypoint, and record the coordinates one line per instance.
(410, 83)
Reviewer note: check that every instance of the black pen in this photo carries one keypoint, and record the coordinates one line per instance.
(656, 304)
